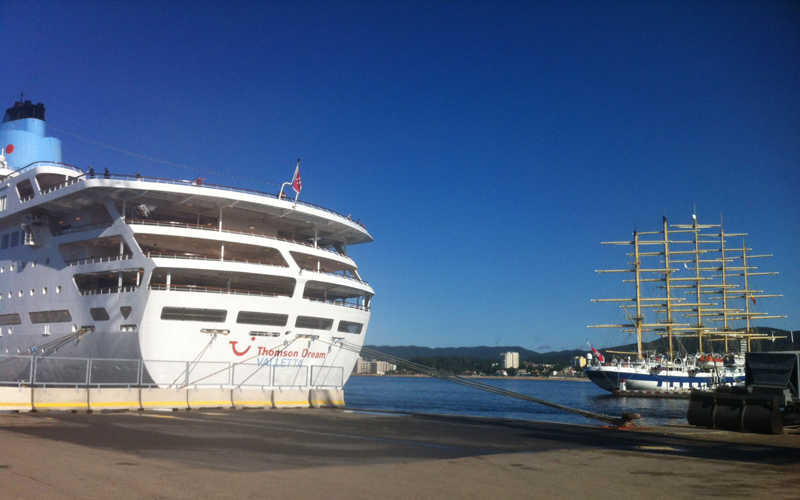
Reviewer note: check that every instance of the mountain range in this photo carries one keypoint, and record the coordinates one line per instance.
(784, 340)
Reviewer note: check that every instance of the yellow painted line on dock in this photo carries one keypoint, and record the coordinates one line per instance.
(253, 402)
(290, 403)
(326, 402)
(159, 416)
(657, 448)
(215, 403)
(60, 405)
(116, 403)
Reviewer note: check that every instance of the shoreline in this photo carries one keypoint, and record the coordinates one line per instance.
(498, 377)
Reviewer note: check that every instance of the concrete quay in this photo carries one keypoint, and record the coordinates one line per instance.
(334, 453)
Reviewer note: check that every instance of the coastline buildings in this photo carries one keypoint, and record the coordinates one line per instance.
(373, 367)
(509, 360)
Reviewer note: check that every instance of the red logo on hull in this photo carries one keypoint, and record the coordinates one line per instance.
(235, 351)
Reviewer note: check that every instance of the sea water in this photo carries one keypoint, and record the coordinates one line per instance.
(428, 395)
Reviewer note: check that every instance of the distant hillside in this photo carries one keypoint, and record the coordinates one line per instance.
(488, 353)
(478, 353)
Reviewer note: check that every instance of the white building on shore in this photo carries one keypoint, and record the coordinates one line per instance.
(509, 360)
(374, 367)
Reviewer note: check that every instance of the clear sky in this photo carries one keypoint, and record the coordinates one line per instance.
(488, 146)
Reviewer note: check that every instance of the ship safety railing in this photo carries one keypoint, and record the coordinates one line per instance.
(212, 289)
(339, 303)
(62, 185)
(206, 227)
(113, 289)
(263, 372)
(184, 182)
(95, 260)
(68, 228)
(337, 275)
(161, 255)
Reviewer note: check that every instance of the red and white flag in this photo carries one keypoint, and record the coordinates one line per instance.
(599, 356)
(297, 182)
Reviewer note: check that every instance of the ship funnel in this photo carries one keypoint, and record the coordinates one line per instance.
(23, 136)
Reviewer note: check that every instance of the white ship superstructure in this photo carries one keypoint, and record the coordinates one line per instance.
(185, 278)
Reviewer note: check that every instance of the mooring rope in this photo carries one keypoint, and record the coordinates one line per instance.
(621, 421)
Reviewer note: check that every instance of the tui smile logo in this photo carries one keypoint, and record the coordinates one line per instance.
(238, 352)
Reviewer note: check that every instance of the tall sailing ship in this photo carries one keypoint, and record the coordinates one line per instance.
(690, 281)
(164, 280)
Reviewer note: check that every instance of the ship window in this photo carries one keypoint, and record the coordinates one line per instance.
(125, 311)
(350, 327)
(99, 314)
(10, 319)
(257, 318)
(14, 239)
(4, 242)
(314, 323)
(3, 203)
(25, 190)
(192, 314)
(57, 316)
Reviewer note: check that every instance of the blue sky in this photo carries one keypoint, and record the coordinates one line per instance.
(489, 148)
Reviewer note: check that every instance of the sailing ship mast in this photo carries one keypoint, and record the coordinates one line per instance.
(640, 302)
(699, 252)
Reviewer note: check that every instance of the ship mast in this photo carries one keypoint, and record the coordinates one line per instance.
(668, 285)
(702, 282)
(638, 324)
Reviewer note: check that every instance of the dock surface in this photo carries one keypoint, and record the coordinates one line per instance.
(343, 454)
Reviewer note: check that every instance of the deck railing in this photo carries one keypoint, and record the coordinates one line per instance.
(95, 260)
(113, 289)
(213, 289)
(188, 225)
(41, 370)
(182, 182)
(211, 259)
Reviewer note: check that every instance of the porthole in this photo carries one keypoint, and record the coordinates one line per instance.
(44, 290)
(33, 292)
(58, 289)
(19, 294)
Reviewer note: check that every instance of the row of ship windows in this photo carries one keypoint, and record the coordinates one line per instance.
(190, 314)
(32, 292)
(257, 318)
(59, 316)
(22, 265)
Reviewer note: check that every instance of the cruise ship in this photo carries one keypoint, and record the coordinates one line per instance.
(165, 281)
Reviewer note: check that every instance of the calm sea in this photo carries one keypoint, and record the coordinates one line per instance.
(426, 395)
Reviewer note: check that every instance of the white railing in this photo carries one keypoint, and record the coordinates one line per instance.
(56, 187)
(212, 289)
(187, 225)
(104, 291)
(43, 371)
(95, 260)
(211, 259)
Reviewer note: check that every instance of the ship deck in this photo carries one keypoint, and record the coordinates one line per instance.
(346, 454)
